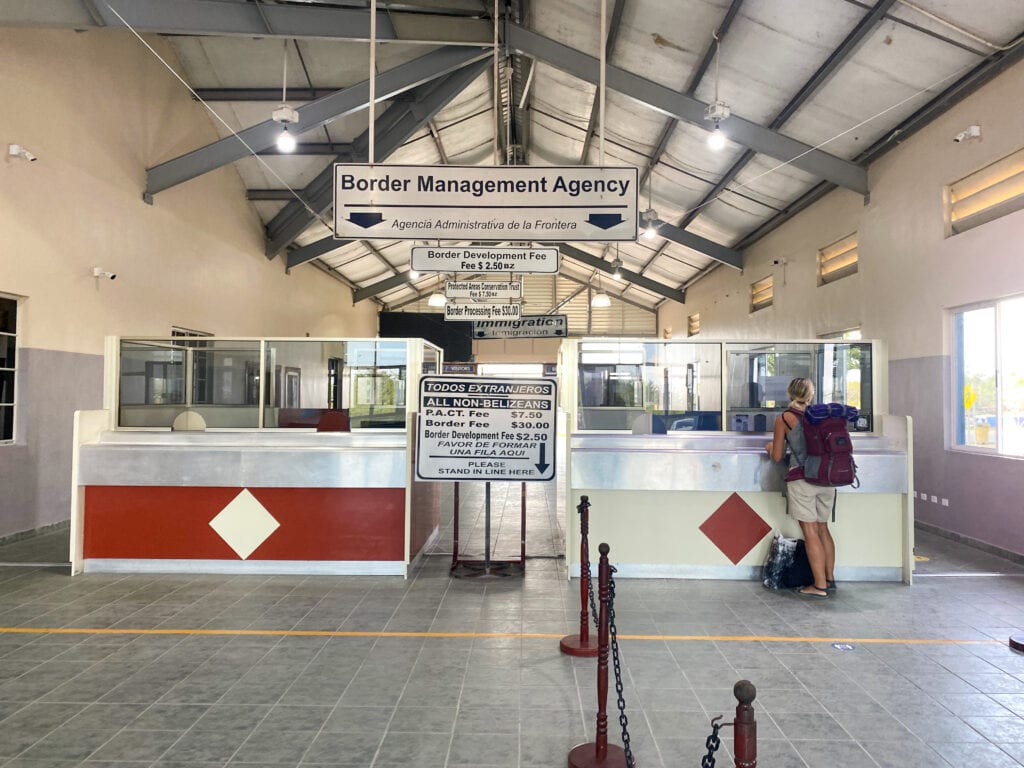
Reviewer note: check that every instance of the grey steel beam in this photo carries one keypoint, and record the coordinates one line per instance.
(311, 149)
(217, 17)
(609, 46)
(270, 194)
(403, 122)
(383, 286)
(312, 115)
(617, 296)
(689, 109)
(314, 250)
(272, 95)
(596, 262)
(720, 253)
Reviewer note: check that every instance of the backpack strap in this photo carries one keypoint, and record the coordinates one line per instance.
(835, 497)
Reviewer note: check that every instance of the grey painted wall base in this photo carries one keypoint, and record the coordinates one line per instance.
(991, 549)
(242, 567)
(734, 572)
(63, 525)
(35, 472)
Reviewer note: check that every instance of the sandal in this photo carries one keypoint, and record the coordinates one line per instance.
(800, 591)
(830, 586)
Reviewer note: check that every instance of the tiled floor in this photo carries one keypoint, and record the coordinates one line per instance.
(925, 678)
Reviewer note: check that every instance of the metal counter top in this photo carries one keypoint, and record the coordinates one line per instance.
(726, 462)
(247, 459)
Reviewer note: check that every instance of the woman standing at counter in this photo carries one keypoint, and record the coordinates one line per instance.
(809, 504)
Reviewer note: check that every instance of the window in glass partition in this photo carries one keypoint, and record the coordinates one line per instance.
(838, 260)
(989, 375)
(762, 293)
(8, 365)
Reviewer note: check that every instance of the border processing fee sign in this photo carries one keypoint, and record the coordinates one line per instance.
(477, 428)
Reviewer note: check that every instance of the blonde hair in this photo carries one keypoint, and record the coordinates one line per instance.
(801, 391)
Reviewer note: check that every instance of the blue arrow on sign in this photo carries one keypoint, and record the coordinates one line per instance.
(365, 220)
(605, 220)
(543, 465)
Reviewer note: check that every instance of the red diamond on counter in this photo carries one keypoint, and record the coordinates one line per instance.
(735, 528)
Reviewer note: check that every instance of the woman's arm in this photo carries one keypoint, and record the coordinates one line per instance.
(777, 447)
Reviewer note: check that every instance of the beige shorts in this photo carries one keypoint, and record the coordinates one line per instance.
(810, 503)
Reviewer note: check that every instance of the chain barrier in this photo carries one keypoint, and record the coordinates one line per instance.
(712, 743)
(617, 666)
(586, 562)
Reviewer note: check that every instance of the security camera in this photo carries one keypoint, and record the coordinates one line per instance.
(99, 272)
(970, 132)
(16, 150)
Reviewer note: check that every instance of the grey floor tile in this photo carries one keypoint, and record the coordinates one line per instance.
(65, 744)
(831, 754)
(802, 727)
(480, 749)
(998, 729)
(137, 746)
(205, 747)
(905, 753)
(438, 719)
(168, 717)
(962, 755)
(358, 719)
(274, 746)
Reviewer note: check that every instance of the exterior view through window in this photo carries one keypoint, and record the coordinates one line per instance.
(989, 377)
(8, 338)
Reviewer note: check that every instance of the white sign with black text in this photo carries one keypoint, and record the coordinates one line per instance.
(481, 260)
(485, 203)
(479, 290)
(527, 327)
(475, 311)
(480, 428)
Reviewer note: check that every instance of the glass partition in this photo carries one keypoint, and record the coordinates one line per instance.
(363, 384)
(673, 386)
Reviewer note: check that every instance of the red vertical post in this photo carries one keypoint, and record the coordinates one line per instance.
(599, 753)
(522, 530)
(745, 727)
(582, 645)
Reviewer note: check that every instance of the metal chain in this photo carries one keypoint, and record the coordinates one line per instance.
(586, 573)
(617, 665)
(712, 743)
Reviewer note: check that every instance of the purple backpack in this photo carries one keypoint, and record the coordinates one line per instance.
(821, 442)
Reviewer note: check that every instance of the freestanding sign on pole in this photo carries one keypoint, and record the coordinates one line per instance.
(486, 204)
(477, 428)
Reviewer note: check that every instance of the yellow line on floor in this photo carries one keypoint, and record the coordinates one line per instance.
(484, 635)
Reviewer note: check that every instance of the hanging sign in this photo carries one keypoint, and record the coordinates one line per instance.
(490, 204)
(527, 327)
(476, 311)
(478, 290)
(477, 428)
(482, 259)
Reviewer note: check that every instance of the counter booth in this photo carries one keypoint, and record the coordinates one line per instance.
(667, 438)
(273, 455)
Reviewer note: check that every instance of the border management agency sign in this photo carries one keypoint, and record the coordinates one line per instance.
(480, 428)
(487, 204)
(527, 327)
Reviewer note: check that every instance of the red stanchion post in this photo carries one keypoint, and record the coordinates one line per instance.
(582, 645)
(599, 753)
(745, 727)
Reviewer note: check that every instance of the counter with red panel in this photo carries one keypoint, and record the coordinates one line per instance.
(252, 502)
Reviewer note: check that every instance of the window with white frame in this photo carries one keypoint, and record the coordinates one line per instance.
(838, 260)
(8, 365)
(988, 357)
(761, 293)
(992, 192)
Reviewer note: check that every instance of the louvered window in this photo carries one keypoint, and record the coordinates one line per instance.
(988, 194)
(8, 360)
(838, 260)
(693, 325)
(761, 294)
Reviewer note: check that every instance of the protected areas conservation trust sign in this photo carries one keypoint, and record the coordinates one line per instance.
(486, 204)
(479, 428)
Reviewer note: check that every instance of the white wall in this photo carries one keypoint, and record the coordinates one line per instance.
(910, 276)
(97, 109)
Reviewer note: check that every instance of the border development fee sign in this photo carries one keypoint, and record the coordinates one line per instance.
(486, 204)
(479, 428)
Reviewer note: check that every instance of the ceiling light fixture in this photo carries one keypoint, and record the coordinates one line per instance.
(600, 300)
(718, 110)
(617, 265)
(650, 217)
(437, 299)
(284, 114)
(413, 274)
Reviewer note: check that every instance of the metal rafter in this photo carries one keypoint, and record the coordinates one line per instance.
(689, 109)
(387, 284)
(219, 17)
(404, 77)
(400, 122)
(613, 34)
(617, 296)
(596, 262)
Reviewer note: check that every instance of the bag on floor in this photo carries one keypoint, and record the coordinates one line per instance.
(787, 566)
